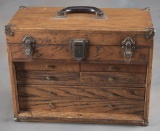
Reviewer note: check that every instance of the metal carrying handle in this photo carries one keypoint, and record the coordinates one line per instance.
(81, 9)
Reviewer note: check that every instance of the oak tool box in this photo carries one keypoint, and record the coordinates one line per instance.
(81, 64)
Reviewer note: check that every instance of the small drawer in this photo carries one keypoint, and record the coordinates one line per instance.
(46, 77)
(112, 68)
(113, 77)
(58, 67)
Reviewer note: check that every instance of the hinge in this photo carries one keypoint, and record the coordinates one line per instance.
(150, 33)
(128, 46)
(8, 30)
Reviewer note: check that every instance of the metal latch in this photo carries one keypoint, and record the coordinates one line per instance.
(28, 44)
(78, 48)
(128, 46)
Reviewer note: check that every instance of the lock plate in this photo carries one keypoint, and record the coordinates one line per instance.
(78, 48)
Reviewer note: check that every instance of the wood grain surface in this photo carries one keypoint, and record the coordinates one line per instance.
(95, 53)
(81, 99)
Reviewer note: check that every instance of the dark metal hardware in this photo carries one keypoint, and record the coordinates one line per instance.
(150, 33)
(110, 79)
(50, 78)
(50, 66)
(22, 7)
(8, 30)
(16, 119)
(146, 9)
(81, 9)
(28, 44)
(79, 48)
(128, 46)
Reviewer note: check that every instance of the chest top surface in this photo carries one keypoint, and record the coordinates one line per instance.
(117, 19)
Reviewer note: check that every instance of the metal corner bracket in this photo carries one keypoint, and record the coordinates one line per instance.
(150, 33)
(8, 30)
(146, 9)
(22, 7)
(16, 119)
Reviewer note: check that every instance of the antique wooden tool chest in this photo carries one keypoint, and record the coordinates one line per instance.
(80, 64)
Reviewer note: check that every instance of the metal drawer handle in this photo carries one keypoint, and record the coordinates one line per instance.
(50, 66)
(112, 68)
(49, 78)
(81, 9)
(110, 79)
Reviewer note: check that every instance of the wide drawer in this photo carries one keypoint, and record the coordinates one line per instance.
(52, 66)
(113, 77)
(81, 99)
(63, 53)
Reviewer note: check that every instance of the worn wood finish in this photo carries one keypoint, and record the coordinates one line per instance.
(46, 77)
(101, 118)
(148, 86)
(49, 92)
(63, 37)
(82, 99)
(112, 68)
(95, 53)
(48, 66)
(113, 77)
(116, 21)
(51, 86)
(13, 83)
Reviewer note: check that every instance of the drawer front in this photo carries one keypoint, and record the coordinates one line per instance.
(45, 77)
(81, 99)
(113, 77)
(112, 68)
(58, 67)
(63, 53)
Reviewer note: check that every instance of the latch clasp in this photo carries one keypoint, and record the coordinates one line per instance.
(128, 46)
(28, 44)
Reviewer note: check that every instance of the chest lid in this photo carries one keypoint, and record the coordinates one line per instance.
(43, 24)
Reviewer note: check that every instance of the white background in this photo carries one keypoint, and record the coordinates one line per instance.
(9, 7)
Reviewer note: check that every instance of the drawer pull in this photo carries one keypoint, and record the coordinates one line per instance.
(49, 78)
(111, 68)
(110, 79)
(50, 66)
(51, 105)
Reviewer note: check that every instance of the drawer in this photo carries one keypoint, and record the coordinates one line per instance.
(112, 68)
(63, 53)
(113, 77)
(81, 99)
(45, 77)
(58, 67)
